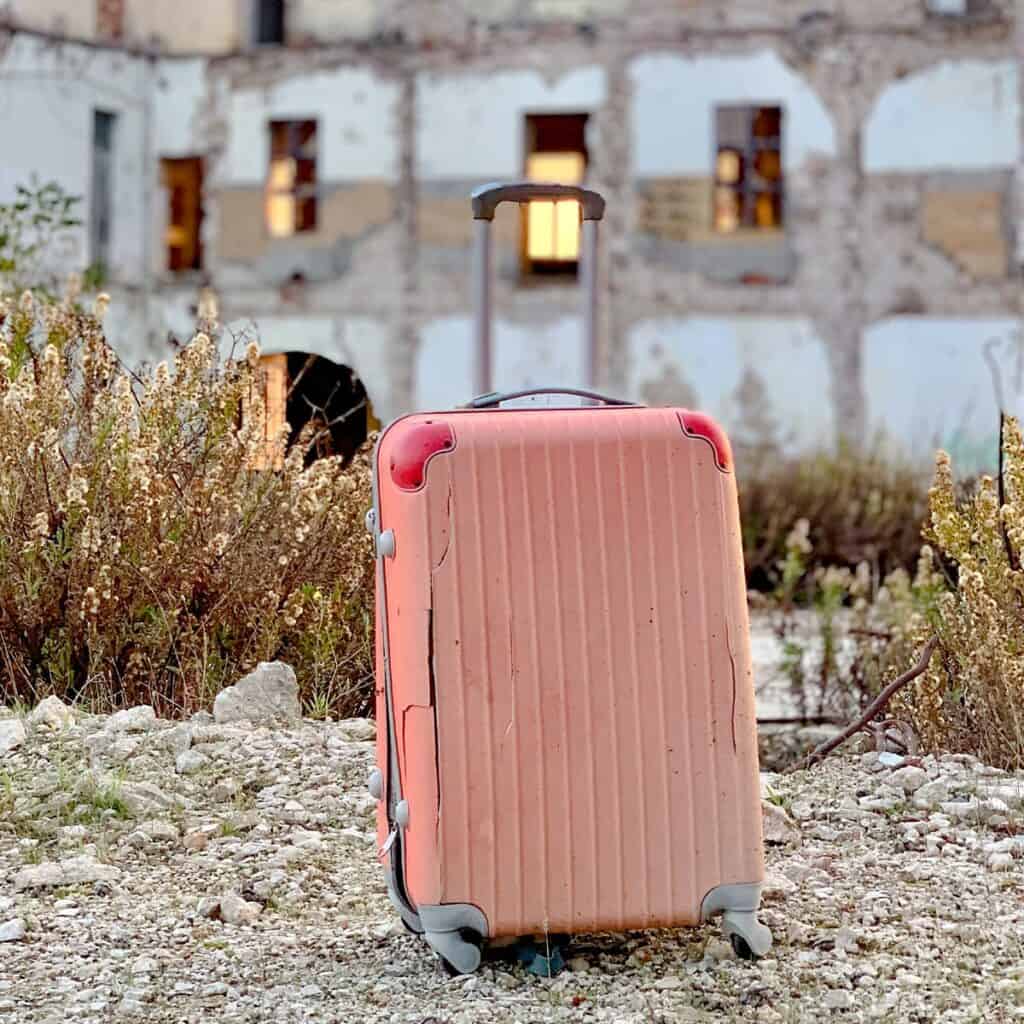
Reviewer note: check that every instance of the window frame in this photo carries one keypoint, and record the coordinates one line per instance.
(531, 269)
(103, 172)
(258, 13)
(305, 195)
(194, 167)
(750, 184)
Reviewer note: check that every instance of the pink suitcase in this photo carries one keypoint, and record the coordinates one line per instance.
(566, 726)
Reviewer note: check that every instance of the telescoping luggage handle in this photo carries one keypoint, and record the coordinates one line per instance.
(485, 200)
(497, 397)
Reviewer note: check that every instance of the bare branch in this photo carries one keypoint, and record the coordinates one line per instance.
(874, 709)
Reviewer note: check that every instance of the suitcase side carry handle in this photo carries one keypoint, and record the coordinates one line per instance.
(497, 397)
(485, 200)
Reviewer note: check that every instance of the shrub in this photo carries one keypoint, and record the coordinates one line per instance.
(972, 697)
(968, 590)
(145, 555)
(861, 507)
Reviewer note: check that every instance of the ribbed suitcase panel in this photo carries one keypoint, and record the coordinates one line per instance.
(595, 734)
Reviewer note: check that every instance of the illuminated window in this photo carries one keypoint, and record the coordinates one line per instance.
(748, 168)
(556, 152)
(183, 180)
(291, 178)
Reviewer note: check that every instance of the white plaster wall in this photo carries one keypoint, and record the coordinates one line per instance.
(357, 137)
(472, 125)
(73, 17)
(178, 102)
(957, 115)
(710, 354)
(543, 355)
(674, 100)
(140, 338)
(47, 99)
(360, 343)
(928, 385)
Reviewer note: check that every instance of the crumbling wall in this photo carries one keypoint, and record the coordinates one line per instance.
(900, 154)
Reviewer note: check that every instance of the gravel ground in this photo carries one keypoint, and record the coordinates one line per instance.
(207, 872)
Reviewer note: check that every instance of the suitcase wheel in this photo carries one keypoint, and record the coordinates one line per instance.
(749, 938)
(460, 951)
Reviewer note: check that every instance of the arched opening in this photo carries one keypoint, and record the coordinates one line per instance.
(324, 403)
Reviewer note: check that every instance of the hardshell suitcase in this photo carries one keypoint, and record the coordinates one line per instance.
(565, 704)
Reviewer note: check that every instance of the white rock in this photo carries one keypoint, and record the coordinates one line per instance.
(110, 748)
(52, 713)
(269, 695)
(1012, 794)
(932, 794)
(801, 810)
(209, 907)
(909, 778)
(778, 826)
(188, 762)
(176, 740)
(890, 760)
(962, 809)
(356, 730)
(1000, 861)
(142, 798)
(235, 910)
(847, 940)
(306, 840)
(670, 982)
(73, 871)
(776, 885)
(161, 831)
(838, 999)
(144, 965)
(12, 931)
(226, 789)
(141, 718)
(12, 734)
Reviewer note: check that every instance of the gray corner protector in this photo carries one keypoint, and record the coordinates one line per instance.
(741, 897)
(450, 917)
(412, 920)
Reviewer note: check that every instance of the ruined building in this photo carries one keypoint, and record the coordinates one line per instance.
(813, 205)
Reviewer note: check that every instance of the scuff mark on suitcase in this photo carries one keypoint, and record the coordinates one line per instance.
(732, 669)
(448, 531)
(432, 669)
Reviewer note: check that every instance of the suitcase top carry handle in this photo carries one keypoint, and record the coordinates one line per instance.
(497, 397)
(487, 198)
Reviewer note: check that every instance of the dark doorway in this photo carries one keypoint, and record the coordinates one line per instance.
(329, 402)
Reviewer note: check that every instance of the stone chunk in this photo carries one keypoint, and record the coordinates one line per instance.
(779, 828)
(12, 734)
(269, 696)
(52, 713)
(357, 730)
(73, 871)
(138, 719)
(909, 778)
(235, 910)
